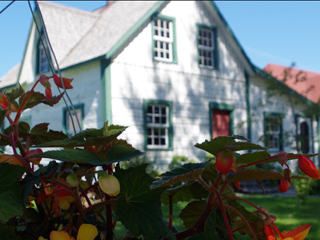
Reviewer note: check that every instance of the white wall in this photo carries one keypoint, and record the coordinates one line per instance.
(135, 76)
(278, 104)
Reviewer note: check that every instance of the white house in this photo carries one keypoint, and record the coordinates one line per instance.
(175, 77)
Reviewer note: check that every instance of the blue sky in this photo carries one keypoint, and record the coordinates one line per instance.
(278, 32)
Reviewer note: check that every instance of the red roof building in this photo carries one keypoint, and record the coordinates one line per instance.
(303, 82)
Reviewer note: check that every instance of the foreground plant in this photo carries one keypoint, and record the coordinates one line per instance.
(66, 200)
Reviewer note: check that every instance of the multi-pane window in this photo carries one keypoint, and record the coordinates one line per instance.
(43, 63)
(73, 119)
(206, 47)
(163, 40)
(157, 121)
(273, 132)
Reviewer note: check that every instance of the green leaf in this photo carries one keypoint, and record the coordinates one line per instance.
(2, 115)
(23, 129)
(261, 186)
(219, 143)
(252, 157)
(205, 236)
(185, 193)
(31, 179)
(88, 137)
(215, 145)
(73, 155)
(10, 191)
(37, 98)
(120, 153)
(210, 173)
(40, 134)
(8, 232)
(138, 207)
(254, 174)
(237, 146)
(215, 224)
(192, 212)
(115, 154)
(187, 172)
(14, 93)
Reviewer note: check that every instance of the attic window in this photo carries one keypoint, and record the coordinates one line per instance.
(43, 63)
(163, 39)
(207, 52)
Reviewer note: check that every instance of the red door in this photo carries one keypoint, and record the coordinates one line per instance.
(220, 123)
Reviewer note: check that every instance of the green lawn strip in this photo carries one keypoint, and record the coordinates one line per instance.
(289, 214)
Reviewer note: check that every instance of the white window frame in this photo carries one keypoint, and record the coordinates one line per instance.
(163, 44)
(273, 130)
(68, 124)
(204, 47)
(153, 126)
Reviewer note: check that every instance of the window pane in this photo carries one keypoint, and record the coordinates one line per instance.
(163, 120)
(157, 119)
(149, 119)
(163, 141)
(149, 109)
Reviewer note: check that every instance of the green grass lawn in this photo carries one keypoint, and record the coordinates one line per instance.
(289, 214)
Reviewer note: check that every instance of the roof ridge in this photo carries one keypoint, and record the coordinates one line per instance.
(81, 39)
(58, 5)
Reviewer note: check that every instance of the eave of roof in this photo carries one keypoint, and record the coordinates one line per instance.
(232, 35)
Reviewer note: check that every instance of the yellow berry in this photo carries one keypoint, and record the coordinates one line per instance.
(109, 184)
(87, 232)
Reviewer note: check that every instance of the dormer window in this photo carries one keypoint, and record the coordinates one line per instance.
(207, 50)
(164, 39)
(43, 63)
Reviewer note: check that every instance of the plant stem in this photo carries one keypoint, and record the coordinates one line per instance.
(104, 203)
(16, 120)
(243, 219)
(22, 160)
(277, 230)
(109, 220)
(225, 217)
(258, 162)
(170, 212)
(244, 200)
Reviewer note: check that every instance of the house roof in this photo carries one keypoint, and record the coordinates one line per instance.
(11, 77)
(89, 34)
(78, 36)
(66, 26)
(309, 88)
